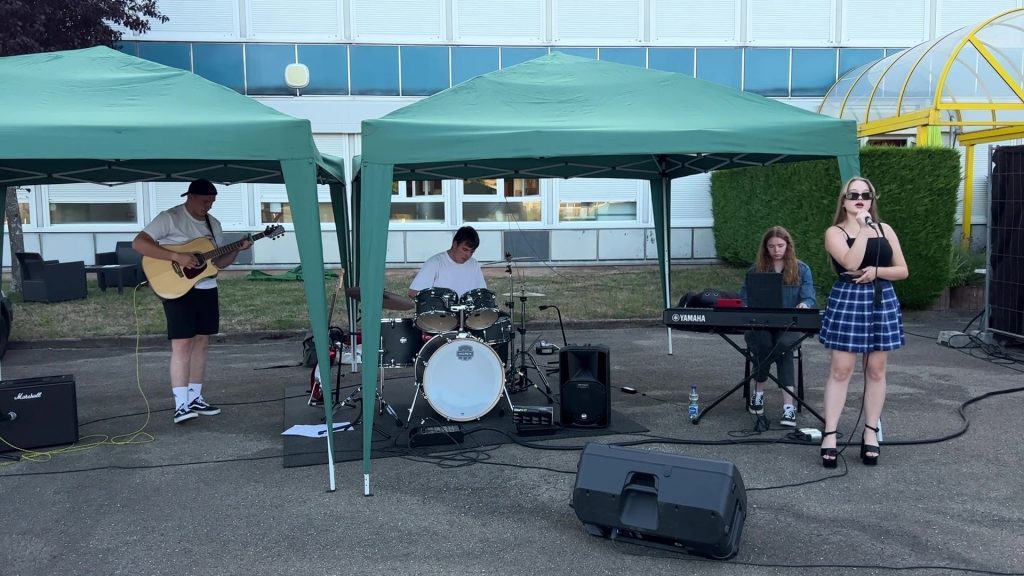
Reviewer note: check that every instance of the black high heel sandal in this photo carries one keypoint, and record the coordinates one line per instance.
(833, 455)
(868, 459)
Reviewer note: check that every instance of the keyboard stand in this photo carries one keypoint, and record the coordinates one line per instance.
(775, 355)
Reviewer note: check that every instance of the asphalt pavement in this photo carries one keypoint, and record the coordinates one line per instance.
(212, 497)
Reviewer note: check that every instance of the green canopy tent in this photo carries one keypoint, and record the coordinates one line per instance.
(561, 116)
(98, 115)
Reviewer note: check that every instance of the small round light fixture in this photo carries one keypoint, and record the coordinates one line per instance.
(296, 76)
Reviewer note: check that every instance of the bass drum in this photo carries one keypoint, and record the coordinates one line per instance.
(462, 377)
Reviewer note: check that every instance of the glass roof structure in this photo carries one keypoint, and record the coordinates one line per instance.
(971, 80)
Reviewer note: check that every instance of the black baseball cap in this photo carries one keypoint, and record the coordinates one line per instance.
(201, 187)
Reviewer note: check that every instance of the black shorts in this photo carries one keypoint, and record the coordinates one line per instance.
(197, 312)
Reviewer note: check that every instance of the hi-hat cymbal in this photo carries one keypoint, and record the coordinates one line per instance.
(523, 294)
(391, 300)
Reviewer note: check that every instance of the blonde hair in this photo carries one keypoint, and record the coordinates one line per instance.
(841, 213)
(790, 272)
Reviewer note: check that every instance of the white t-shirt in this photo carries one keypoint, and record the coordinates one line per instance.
(176, 226)
(440, 270)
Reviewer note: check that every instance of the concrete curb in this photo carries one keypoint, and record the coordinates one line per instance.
(158, 340)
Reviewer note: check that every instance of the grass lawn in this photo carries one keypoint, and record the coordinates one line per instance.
(582, 293)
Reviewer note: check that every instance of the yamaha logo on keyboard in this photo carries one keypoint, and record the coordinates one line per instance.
(688, 318)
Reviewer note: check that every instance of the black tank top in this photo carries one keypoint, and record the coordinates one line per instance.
(877, 253)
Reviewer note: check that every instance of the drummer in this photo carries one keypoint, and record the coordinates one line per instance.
(454, 268)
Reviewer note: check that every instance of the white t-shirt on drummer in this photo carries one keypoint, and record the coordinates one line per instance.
(441, 271)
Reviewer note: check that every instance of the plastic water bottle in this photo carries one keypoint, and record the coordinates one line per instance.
(694, 408)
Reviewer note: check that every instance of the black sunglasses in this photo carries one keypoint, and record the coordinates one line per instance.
(859, 196)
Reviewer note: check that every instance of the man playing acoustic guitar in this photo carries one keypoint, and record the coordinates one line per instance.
(193, 317)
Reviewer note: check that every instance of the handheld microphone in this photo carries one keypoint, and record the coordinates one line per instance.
(869, 220)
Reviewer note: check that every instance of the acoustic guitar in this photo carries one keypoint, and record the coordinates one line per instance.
(170, 280)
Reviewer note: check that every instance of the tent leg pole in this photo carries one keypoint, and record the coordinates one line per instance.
(366, 485)
(330, 473)
(669, 341)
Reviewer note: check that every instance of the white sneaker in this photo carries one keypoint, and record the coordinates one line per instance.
(788, 417)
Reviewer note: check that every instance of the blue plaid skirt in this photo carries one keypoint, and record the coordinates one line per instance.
(853, 323)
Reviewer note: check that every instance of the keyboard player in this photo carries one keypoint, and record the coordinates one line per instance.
(777, 254)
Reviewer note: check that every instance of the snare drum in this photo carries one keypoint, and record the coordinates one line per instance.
(434, 310)
(499, 332)
(481, 308)
(462, 377)
(400, 341)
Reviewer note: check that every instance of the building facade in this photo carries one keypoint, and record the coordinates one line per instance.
(367, 58)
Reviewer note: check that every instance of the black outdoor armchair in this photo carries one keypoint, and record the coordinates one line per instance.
(50, 280)
(123, 267)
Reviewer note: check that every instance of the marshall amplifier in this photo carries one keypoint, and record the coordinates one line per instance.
(37, 412)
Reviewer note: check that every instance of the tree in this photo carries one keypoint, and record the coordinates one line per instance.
(31, 26)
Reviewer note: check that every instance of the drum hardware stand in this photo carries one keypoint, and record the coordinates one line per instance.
(357, 396)
(520, 374)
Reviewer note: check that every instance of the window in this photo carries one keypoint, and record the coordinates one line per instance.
(176, 54)
(671, 60)
(264, 68)
(597, 200)
(767, 71)
(510, 56)
(501, 200)
(631, 56)
(220, 63)
(328, 68)
(469, 62)
(417, 202)
(281, 212)
(374, 70)
(814, 71)
(720, 65)
(92, 204)
(424, 70)
(274, 207)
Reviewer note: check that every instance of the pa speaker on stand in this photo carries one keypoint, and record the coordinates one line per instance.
(659, 499)
(584, 386)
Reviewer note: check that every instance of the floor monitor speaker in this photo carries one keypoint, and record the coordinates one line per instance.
(584, 386)
(37, 412)
(660, 499)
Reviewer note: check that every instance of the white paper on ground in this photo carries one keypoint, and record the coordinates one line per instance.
(315, 430)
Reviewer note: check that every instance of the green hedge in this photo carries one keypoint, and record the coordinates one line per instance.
(917, 188)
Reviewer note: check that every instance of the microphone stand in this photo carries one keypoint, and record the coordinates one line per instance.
(560, 324)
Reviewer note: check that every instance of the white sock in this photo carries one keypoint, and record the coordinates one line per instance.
(180, 396)
(194, 391)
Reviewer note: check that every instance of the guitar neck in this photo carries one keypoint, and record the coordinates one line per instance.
(228, 248)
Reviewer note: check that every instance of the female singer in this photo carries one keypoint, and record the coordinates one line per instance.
(863, 315)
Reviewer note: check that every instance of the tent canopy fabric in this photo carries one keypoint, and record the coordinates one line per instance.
(98, 115)
(561, 116)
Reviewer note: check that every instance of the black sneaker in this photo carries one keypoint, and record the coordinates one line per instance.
(199, 406)
(184, 414)
(756, 405)
(788, 417)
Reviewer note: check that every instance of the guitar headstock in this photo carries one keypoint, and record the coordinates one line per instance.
(273, 231)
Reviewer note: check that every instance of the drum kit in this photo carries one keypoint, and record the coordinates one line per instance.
(462, 350)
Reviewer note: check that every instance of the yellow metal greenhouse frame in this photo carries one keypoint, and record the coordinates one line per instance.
(984, 104)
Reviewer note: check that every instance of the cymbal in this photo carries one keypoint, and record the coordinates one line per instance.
(514, 259)
(391, 300)
(523, 294)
